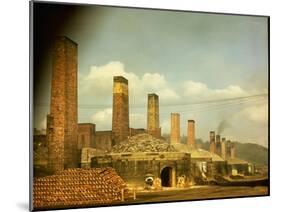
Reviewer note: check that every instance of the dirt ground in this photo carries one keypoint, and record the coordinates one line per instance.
(200, 192)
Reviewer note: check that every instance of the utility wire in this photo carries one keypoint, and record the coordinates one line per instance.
(206, 102)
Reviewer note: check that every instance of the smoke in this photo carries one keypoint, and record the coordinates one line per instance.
(222, 126)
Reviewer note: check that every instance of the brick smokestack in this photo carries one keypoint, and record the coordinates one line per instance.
(153, 116)
(218, 145)
(175, 128)
(212, 142)
(62, 132)
(120, 114)
(232, 150)
(228, 149)
(191, 134)
(223, 148)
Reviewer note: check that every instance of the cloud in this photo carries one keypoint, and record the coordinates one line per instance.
(199, 90)
(102, 119)
(165, 126)
(247, 120)
(255, 113)
(99, 81)
(137, 120)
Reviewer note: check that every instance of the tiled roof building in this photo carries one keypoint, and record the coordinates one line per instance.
(78, 188)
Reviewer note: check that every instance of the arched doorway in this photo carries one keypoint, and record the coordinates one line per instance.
(166, 177)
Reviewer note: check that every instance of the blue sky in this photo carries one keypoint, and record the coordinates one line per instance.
(184, 57)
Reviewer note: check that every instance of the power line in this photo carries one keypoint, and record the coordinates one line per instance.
(205, 102)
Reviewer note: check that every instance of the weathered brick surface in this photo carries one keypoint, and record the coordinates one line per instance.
(62, 143)
(153, 116)
(134, 131)
(223, 148)
(228, 149)
(120, 116)
(212, 142)
(191, 134)
(175, 128)
(218, 145)
(103, 140)
(86, 133)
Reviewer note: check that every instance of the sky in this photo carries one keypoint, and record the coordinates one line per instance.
(199, 64)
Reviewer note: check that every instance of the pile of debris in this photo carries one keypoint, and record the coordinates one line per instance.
(78, 188)
(143, 143)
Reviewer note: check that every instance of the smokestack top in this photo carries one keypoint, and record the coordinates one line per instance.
(212, 133)
(191, 121)
(152, 95)
(223, 139)
(65, 38)
(120, 79)
(175, 114)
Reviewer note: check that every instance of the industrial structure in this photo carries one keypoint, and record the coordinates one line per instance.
(62, 120)
(153, 115)
(135, 154)
(175, 128)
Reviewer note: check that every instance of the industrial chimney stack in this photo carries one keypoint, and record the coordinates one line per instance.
(223, 148)
(218, 145)
(175, 128)
(62, 121)
(228, 149)
(191, 134)
(212, 142)
(153, 116)
(120, 113)
(232, 150)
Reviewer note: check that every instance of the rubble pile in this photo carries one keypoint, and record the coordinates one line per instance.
(78, 187)
(143, 143)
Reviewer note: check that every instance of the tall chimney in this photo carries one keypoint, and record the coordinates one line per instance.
(175, 128)
(223, 148)
(191, 134)
(153, 116)
(62, 121)
(232, 150)
(228, 149)
(212, 142)
(218, 145)
(120, 115)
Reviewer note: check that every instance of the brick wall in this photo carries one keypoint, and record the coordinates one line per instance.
(191, 134)
(175, 128)
(212, 142)
(103, 140)
(120, 116)
(86, 133)
(62, 131)
(153, 116)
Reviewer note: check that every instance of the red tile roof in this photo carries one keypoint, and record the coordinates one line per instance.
(78, 188)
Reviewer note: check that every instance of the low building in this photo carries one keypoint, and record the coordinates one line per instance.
(144, 155)
(236, 166)
(203, 163)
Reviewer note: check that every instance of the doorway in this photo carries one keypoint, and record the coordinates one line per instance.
(166, 177)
